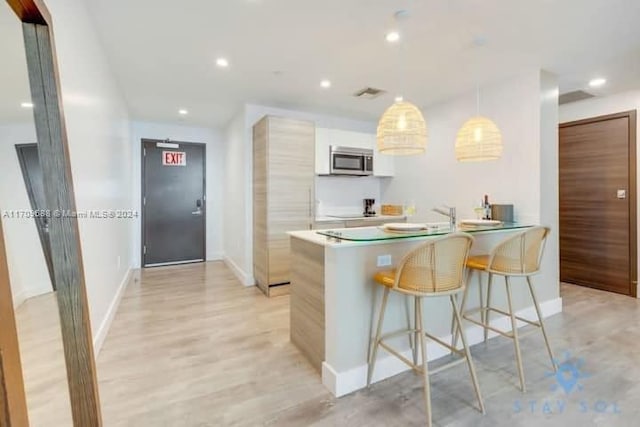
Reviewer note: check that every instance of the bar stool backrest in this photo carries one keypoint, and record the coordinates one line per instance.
(519, 254)
(435, 267)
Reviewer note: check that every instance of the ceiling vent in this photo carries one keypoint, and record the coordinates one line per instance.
(369, 93)
(576, 95)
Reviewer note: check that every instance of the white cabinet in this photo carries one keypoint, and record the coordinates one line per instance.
(323, 147)
(345, 138)
(383, 165)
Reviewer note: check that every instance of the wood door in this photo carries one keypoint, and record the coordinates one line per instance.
(13, 406)
(598, 203)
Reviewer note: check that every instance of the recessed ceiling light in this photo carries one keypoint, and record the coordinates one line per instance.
(399, 99)
(26, 105)
(597, 82)
(392, 36)
(183, 112)
(326, 84)
(222, 62)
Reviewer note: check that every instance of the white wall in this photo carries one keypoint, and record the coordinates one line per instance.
(215, 157)
(437, 178)
(549, 189)
(343, 195)
(27, 267)
(99, 146)
(594, 107)
(238, 208)
(238, 218)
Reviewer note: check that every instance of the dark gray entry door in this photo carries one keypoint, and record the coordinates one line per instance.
(32, 174)
(173, 202)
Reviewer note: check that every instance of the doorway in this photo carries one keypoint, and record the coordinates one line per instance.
(173, 203)
(32, 174)
(598, 240)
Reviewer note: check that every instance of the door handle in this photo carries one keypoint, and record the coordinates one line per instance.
(621, 194)
(198, 210)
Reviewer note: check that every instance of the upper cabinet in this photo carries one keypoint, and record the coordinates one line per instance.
(383, 165)
(323, 144)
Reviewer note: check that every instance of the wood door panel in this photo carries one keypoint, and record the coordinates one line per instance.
(13, 411)
(596, 159)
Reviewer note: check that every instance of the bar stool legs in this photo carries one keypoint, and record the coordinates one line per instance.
(423, 351)
(416, 307)
(376, 342)
(420, 338)
(514, 332)
(467, 352)
(487, 312)
(539, 314)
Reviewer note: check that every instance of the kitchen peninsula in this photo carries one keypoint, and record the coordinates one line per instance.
(334, 302)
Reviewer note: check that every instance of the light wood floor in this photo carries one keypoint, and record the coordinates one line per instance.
(190, 346)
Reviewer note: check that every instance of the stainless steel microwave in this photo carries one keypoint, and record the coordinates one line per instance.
(351, 161)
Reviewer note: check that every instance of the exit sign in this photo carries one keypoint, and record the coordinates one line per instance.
(174, 158)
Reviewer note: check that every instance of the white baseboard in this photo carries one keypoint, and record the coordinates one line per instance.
(215, 256)
(19, 298)
(342, 383)
(243, 277)
(103, 330)
(25, 294)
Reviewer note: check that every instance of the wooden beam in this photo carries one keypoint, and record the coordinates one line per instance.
(31, 11)
(65, 240)
(13, 405)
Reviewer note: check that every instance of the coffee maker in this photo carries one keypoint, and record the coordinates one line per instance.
(368, 207)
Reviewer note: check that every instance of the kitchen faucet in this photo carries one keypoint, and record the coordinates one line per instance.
(451, 213)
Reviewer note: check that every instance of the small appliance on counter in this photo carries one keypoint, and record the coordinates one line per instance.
(368, 207)
(502, 213)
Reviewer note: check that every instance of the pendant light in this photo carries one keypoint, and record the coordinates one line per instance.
(401, 129)
(479, 139)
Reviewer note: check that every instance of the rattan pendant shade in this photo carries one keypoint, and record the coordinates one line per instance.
(478, 140)
(402, 130)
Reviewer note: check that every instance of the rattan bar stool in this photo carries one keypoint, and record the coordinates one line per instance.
(435, 269)
(516, 256)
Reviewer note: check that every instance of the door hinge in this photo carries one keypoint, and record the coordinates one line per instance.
(144, 152)
(144, 249)
(144, 201)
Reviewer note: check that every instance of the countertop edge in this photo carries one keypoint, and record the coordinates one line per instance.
(319, 239)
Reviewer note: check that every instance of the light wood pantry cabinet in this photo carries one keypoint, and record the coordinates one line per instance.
(283, 181)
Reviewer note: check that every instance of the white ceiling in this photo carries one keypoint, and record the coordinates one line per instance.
(163, 52)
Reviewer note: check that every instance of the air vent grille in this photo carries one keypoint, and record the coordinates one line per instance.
(576, 95)
(369, 93)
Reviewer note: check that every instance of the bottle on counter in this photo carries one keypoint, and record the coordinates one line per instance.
(486, 207)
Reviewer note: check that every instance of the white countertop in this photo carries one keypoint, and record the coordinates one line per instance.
(322, 240)
(362, 218)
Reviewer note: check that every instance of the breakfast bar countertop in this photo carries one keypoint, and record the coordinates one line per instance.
(360, 236)
(338, 218)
